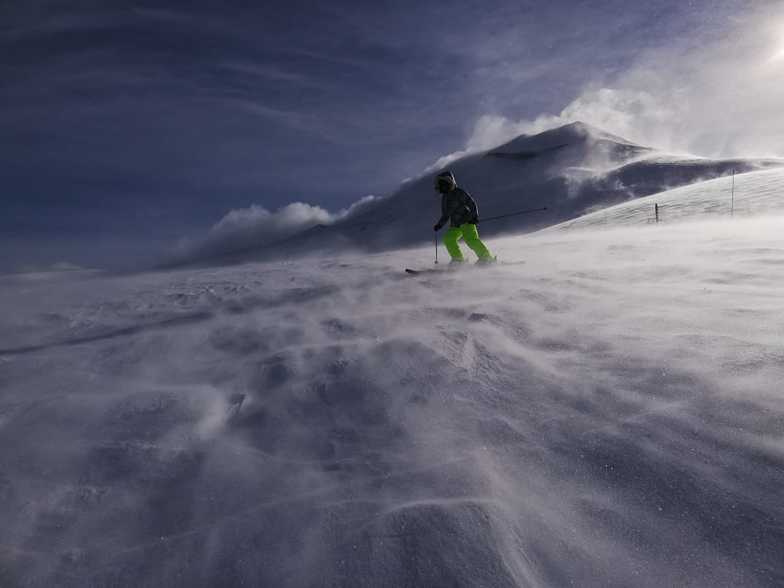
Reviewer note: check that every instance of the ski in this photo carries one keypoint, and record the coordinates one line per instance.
(433, 270)
(416, 272)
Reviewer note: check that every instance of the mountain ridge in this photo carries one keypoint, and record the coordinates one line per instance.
(571, 170)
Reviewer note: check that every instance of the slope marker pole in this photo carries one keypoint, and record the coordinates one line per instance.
(732, 205)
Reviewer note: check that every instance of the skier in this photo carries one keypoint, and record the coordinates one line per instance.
(459, 208)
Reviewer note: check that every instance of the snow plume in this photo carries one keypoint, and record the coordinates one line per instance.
(489, 131)
(247, 228)
(719, 98)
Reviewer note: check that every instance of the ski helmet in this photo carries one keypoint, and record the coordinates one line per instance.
(445, 181)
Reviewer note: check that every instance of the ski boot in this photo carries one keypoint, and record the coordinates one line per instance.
(487, 260)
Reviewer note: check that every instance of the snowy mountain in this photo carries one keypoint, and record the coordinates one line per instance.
(608, 413)
(570, 170)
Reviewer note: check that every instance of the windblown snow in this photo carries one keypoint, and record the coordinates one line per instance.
(609, 413)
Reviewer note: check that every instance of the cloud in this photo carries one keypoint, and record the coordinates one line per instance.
(720, 98)
(254, 227)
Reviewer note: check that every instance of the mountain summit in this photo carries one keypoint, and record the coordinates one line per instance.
(571, 135)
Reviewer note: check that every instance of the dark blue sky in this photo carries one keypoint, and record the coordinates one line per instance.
(126, 125)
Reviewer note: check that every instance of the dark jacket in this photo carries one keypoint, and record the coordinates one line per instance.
(459, 208)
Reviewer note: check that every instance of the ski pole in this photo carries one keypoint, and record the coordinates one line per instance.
(492, 218)
(435, 242)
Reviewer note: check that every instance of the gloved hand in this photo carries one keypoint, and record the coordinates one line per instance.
(437, 227)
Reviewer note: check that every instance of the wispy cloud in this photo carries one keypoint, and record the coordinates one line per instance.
(268, 72)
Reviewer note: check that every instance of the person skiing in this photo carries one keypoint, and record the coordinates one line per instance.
(460, 209)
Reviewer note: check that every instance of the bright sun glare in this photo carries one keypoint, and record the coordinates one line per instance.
(778, 54)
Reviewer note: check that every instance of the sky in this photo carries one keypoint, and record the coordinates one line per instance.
(126, 127)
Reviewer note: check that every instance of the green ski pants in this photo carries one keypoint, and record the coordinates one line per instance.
(469, 234)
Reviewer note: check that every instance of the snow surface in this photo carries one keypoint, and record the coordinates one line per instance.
(609, 413)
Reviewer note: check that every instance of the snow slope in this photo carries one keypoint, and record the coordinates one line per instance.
(755, 193)
(570, 170)
(609, 413)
